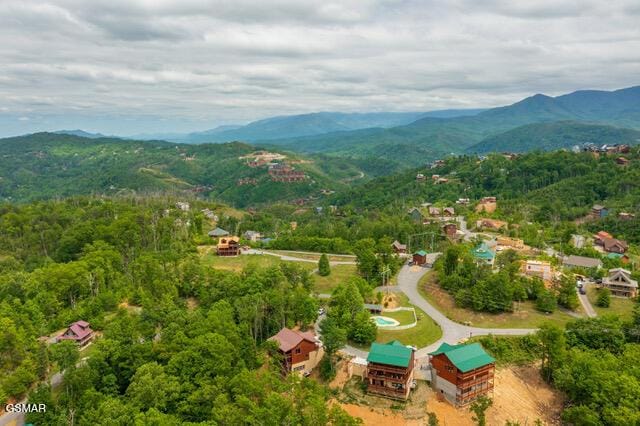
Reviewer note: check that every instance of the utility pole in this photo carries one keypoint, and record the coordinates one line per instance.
(386, 277)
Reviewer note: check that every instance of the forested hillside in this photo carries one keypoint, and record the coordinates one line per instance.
(562, 185)
(556, 135)
(180, 343)
(47, 165)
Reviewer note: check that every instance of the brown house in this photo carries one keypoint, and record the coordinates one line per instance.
(461, 373)
(301, 351)
(620, 283)
(390, 370)
(228, 246)
(598, 211)
(601, 236)
(399, 248)
(79, 332)
(450, 230)
(622, 161)
(613, 245)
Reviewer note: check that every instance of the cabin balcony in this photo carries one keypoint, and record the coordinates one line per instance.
(388, 391)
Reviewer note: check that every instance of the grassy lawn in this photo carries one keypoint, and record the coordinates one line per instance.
(403, 317)
(339, 273)
(525, 317)
(619, 306)
(313, 255)
(238, 263)
(423, 334)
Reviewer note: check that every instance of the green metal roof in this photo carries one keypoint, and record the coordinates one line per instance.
(421, 253)
(465, 357)
(392, 353)
(615, 256)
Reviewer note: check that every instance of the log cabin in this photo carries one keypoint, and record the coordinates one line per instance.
(228, 246)
(300, 351)
(390, 370)
(461, 373)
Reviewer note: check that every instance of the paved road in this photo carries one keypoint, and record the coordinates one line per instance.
(298, 259)
(452, 332)
(588, 309)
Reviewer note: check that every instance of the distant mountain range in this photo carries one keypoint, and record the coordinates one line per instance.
(305, 125)
(413, 138)
(428, 138)
(81, 133)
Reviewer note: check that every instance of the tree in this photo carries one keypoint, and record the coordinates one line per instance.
(333, 337)
(363, 330)
(603, 332)
(580, 415)
(604, 298)
(479, 408)
(151, 387)
(567, 295)
(552, 348)
(450, 263)
(366, 259)
(546, 302)
(65, 354)
(324, 269)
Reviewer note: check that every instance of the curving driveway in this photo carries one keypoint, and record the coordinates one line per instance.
(452, 332)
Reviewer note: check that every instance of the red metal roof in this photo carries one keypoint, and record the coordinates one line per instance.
(288, 339)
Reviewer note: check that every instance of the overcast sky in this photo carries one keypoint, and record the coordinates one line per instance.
(131, 66)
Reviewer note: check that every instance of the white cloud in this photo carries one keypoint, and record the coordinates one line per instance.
(203, 62)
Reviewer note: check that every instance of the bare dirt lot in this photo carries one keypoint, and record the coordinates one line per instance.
(520, 395)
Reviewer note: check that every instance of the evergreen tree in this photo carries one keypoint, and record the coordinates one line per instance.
(324, 269)
(604, 298)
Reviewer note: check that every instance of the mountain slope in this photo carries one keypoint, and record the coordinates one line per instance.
(556, 135)
(433, 137)
(48, 165)
(314, 124)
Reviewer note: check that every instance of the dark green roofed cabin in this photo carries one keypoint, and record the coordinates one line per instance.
(462, 373)
(390, 370)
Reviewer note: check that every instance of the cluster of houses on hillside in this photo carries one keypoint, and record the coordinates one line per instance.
(604, 149)
(459, 373)
(278, 168)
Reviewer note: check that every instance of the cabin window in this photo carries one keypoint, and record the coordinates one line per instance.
(298, 350)
(449, 368)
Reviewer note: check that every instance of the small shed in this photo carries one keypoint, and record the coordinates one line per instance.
(420, 257)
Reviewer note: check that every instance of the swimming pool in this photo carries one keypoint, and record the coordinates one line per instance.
(385, 321)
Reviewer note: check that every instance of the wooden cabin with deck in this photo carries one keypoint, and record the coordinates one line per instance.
(390, 370)
(461, 373)
(228, 246)
(301, 351)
